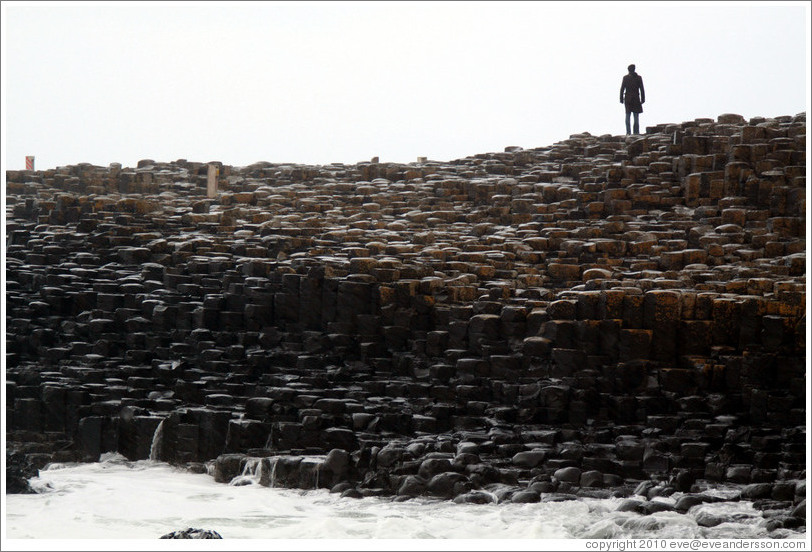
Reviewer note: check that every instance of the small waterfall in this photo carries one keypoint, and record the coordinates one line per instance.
(260, 470)
(269, 441)
(250, 467)
(250, 473)
(275, 462)
(309, 468)
(156, 448)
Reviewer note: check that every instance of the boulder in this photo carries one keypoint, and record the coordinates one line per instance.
(632, 505)
(799, 511)
(525, 497)
(591, 478)
(755, 491)
(228, 466)
(568, 475)
(18, 471)
(476, 497)
(448, 485)
(192, 533)
(529, 459)
(411, 486)
(707, 519)
(432, 466)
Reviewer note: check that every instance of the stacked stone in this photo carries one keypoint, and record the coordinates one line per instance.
(617, 308)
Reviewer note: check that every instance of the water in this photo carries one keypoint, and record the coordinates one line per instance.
(156, 447)
(118, 499)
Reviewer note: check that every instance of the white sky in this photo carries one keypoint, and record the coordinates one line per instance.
(324, 82)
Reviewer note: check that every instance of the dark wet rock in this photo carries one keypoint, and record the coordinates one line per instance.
(768, 505)
(389, 455)
(654, 506)
(612, 480)
(352, 492)
(341, 487)
(412, 485)
(568, 475)
(192, 533)
(529, 459)
(18, 471)
(341, 438)
(685, 503)
(592, 478)
(336, 464)
(475, 497)
(757, 491)
(525, 497)
(509, 476)
(467, 447)
(433, 466)
(784, 522)
(558, 497)
(799, 511)
(502, 492)
(632, 505)
(783, 491)
(542, 487)
(197, 467)
(707, 519)
(601, 311)
(464, 459)
(227, 467)
(484, 474)
(448, 485)
(644, 487)
(661, 490)
(739, 473)
(591, 492)
(683, 480)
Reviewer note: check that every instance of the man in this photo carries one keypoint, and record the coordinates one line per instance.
(633, 95)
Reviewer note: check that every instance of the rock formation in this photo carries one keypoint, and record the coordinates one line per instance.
(192, 533)
(568, 319)
(19, 470)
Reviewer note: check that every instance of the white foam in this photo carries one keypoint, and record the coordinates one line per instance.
(117, 499)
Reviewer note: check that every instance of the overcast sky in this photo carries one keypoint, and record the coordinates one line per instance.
(317, 83)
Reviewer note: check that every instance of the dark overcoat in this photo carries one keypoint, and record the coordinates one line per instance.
(635, 94)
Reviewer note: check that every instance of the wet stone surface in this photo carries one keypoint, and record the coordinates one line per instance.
(562, 321)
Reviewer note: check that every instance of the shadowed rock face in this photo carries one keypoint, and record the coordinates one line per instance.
(616, 308)
(18, 471)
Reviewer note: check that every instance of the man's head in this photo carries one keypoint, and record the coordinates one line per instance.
(631, 68)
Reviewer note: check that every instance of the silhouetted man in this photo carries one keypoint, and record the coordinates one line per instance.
(633, 95)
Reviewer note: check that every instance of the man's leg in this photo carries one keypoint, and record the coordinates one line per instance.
(637, 123)
(628, 126)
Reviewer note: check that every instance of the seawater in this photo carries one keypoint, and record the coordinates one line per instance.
(119, 499)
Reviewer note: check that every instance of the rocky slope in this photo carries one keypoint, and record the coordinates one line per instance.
(573, 318)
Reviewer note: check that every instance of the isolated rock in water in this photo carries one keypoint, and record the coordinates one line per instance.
(476, 497)
(192, 533)
(706, 519)
(524, 497)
